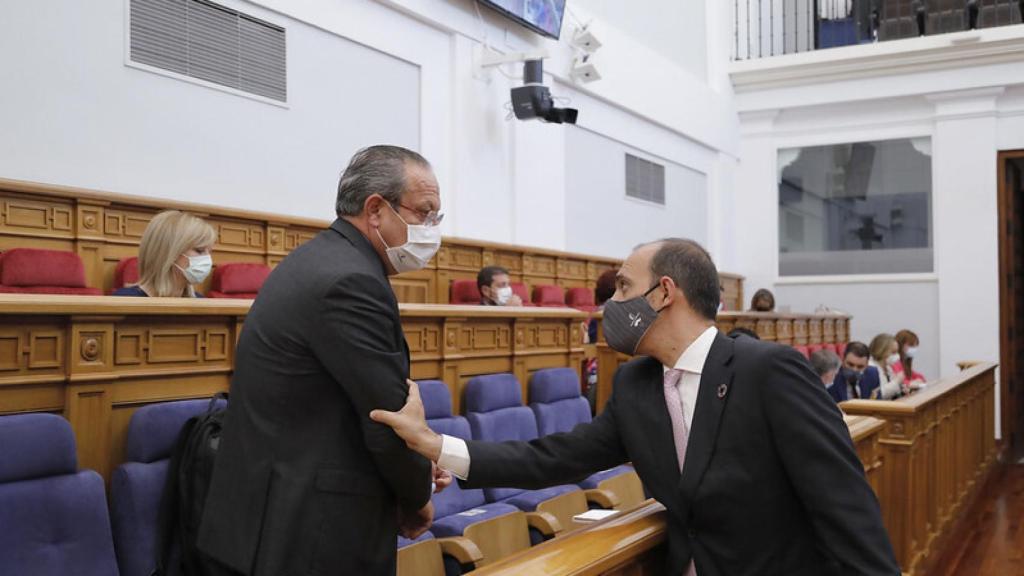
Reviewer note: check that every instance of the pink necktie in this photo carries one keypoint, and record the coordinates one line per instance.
(680, 431)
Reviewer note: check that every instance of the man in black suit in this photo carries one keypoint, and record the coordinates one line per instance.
(305, 483)
(736, 437)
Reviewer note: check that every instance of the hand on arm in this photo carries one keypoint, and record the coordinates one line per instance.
(411, 425)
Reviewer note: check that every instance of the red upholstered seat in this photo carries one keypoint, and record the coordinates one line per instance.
(839, 347)
(812, 348)
(238, 280)
(803, 350)
(581, 299)
(35, 271)
(520, 289)
(548, 296)
(464, 292)
(126, 272)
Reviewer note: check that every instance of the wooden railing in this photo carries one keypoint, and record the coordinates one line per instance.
(938, 447)
(789, 329)
(633, 543)
(103, 228)
(97, 359)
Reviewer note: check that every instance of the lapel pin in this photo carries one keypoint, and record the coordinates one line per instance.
(723, 389)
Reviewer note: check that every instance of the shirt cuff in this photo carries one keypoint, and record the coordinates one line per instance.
(454, 456)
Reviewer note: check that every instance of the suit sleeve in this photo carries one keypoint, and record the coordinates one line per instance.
(561, 458)
(819, 457)
(354, 339)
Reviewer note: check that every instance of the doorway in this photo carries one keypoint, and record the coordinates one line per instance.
(1011, 299)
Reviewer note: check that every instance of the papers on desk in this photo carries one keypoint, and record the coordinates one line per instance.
(593, 515)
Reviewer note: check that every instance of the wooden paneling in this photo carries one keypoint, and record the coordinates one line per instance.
(938, 447)
(103, 228)
(98, 359)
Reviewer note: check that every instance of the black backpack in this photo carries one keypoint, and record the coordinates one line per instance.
(188, 480)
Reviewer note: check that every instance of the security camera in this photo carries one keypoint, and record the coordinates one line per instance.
(533, 99)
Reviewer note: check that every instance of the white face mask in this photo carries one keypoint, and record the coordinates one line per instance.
(892, 359)
(502, 295)
(911, 351)
(198, 268)
(421, 245)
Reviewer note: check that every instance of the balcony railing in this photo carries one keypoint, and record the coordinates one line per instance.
(773, 27)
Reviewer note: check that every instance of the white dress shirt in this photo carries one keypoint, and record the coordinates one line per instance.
(455, 455)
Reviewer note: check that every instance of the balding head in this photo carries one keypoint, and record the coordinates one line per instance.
(690, 266)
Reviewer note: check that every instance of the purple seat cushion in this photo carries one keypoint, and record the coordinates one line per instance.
(55, 526)
(491, 392)
(135, 491)
(36, 446)
(437, 399)
(456, 524)
(594, 479)
(153, 429)
(527, 501)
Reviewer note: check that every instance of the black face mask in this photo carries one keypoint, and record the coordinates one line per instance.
(851, 376)
(625, 322)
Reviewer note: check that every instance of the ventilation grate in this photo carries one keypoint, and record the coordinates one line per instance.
(212, 43)
(645, 180)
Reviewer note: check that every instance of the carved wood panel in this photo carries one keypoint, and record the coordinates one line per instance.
(38, 218)
(538, 265)
(454, 257)
(572, 269)
(30, 350)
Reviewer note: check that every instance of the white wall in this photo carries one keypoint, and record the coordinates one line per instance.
(968, 98)
(359, 72)
(601, 217)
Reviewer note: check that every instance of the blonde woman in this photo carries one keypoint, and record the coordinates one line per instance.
(174, 255)
(885, 355)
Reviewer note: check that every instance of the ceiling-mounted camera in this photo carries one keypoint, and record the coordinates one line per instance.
(533, 99)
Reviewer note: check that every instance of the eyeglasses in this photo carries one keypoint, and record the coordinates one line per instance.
(427, 217)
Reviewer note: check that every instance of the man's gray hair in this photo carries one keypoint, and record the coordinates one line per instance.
(374, 170)
(824, 361)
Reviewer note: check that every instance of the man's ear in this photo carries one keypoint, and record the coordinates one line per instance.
(668, 290)
(372, 208)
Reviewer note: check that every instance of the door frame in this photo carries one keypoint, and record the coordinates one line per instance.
(1010, 414)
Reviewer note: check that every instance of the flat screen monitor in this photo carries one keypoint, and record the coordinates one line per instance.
(541, 16)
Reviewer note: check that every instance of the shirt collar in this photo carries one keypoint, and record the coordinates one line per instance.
(696, 354)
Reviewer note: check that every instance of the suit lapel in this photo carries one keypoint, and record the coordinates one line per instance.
(715, 381)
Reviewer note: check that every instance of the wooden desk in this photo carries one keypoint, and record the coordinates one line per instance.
(96, 359)
(102, 228)
(938, 447)
(633, 543)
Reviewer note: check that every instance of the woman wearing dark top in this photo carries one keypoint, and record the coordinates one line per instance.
(174, 255)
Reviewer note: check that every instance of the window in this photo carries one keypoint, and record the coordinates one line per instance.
(210, 42)
(645, 180)
(858, 208)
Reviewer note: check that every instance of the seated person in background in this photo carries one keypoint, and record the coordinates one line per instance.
(826, 366)
(174, 254)
(496, 287)
(855, 379)
(763, 301)
(908, 343)
(741, 331)
(885, 355)
(603, 290)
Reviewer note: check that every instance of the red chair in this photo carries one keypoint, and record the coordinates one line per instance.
(548, 296)
(803, 350)
(126, 272)
(812, 348)
(581, 299)
(840, 348)
(520, 289)
(35, 271)
(238, 280)
(464, 292)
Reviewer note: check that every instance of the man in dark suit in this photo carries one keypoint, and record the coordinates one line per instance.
(855, 379)
(304, 482)
(736, 437)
